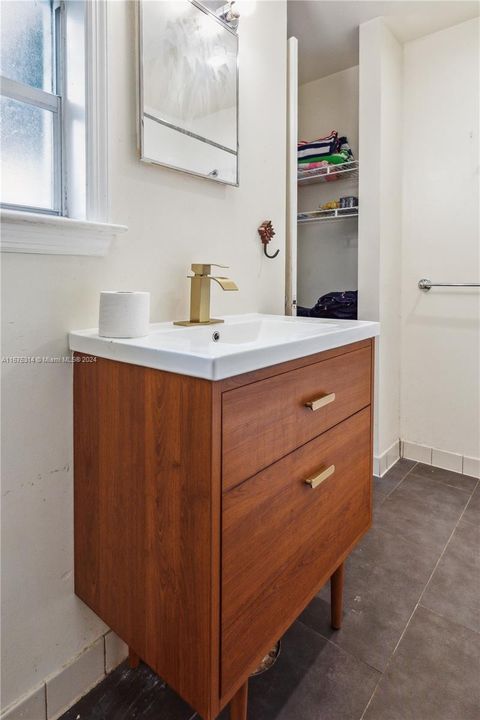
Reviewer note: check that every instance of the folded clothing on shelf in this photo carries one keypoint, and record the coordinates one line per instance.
(336, 305)
(334, 159)
(344, 147)
(314, 150)
(330, 149)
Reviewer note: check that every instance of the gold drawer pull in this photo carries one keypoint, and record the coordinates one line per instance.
(317, 480)
(320, 402)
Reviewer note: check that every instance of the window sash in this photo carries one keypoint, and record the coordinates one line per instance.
(53, 103)
(44, 100)
(30, 95)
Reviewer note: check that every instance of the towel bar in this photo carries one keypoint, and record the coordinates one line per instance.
(425, 284)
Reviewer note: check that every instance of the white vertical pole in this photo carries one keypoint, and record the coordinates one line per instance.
(292, 139)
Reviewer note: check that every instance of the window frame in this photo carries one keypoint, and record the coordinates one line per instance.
(52, 102)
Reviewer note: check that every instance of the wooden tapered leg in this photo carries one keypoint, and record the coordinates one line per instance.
(238, 704)
(336, 594)
(133, 659)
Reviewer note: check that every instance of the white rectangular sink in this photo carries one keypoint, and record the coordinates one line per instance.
(241, 344)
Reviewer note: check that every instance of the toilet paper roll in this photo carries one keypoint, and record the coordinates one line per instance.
(124, 314)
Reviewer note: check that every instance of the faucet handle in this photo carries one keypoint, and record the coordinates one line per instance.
(205, 268)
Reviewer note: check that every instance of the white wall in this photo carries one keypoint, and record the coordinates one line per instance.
(379, 252)
(419, 217)
(441, 329)
(327, 252)
(173, 219)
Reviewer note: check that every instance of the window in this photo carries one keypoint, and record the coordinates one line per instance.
(31, 63)
(53, 111)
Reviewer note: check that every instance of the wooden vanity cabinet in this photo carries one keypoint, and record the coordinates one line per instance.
(208, 514)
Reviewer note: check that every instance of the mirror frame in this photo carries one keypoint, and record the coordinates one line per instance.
(140, 133)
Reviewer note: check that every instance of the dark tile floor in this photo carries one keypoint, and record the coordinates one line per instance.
(409, 648)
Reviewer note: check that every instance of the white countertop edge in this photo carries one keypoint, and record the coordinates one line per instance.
(219, 368)
(293, 351)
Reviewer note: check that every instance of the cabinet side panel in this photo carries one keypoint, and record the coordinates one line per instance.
(143, 513)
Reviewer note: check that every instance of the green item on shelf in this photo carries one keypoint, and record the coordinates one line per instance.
(335, 159)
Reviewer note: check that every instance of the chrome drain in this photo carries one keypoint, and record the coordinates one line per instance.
(269, 660)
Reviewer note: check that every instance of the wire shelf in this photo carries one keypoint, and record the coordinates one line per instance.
(318, 215)
(329, 173)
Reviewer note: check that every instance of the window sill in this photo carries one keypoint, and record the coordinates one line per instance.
(54, 235)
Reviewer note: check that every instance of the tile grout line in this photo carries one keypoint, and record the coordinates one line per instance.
(449, 620)
(447, 484)
(445, 548)
(470, 522)
(400, 482)
(440, 482)
(415, 608)
(105, 655)
(339, 647)
(397, 485)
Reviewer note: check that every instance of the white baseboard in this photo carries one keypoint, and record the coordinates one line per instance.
(75, 680)
(32, 705)
(60, 691)
(440, 458)
(382, 463)
(427, 455)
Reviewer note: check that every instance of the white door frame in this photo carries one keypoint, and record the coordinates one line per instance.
(292, 189)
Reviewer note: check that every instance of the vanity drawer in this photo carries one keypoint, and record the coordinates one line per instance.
(266, 420)
(282, 538)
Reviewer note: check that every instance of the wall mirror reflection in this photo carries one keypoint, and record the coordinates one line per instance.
(188, 89)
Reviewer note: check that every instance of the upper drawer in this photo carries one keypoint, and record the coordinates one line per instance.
(266, 420)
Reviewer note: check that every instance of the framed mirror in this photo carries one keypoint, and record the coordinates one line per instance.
(188, 89)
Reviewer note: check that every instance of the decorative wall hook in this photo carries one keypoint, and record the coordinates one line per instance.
(266, 233)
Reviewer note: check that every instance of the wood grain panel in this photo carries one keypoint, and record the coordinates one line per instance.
(147, 490)
(268, 419)
(282, 539)
(247, 378)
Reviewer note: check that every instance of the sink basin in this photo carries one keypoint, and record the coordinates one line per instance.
(256, 331)
(241, 344)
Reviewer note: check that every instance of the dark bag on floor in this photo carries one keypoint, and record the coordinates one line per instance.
(337, 305)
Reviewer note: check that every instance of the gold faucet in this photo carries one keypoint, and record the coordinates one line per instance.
(200, 294)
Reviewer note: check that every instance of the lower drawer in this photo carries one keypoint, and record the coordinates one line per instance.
(282, 538)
